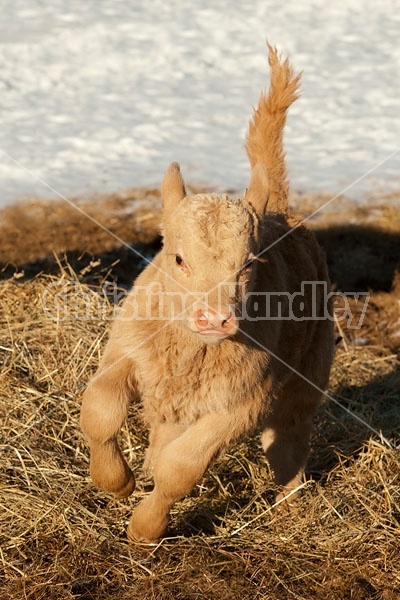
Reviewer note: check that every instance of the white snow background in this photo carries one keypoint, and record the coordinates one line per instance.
(100, 95)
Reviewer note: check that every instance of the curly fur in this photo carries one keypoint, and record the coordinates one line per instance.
(205, 376)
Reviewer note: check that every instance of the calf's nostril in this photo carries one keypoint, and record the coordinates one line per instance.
(228, 321)
(201, 319)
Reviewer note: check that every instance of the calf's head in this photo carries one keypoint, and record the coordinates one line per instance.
(210, 246)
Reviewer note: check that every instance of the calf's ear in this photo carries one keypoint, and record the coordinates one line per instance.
(258, 191)
(172, 188)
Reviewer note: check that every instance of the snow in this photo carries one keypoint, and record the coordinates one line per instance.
(103, 94)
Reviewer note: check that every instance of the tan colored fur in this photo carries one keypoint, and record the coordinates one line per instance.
(264, 141)
(205, 376)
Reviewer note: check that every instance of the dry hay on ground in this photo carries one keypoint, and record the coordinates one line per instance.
(63, 539)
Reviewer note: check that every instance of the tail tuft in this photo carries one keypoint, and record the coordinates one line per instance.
(264, 141)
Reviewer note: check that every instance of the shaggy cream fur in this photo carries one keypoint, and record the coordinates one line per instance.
(188, 341)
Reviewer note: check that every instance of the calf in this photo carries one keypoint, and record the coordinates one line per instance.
(208, 337)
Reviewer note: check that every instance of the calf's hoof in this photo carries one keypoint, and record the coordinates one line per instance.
(126, 490)
(119, 481)
(145, 526)
(287, 503)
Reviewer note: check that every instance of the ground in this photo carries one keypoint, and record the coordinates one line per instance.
(63, 539)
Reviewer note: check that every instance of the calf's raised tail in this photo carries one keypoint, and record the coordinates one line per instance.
(264, 141)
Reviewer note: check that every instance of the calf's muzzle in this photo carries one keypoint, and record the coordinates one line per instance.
(218, 323)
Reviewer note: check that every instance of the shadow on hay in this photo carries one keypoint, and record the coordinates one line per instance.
(120, 266)
(339, 436)
(360, 257)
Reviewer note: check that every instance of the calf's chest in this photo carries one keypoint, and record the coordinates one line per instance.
(182, 384)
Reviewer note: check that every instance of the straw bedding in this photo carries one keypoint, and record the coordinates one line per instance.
(60, 538)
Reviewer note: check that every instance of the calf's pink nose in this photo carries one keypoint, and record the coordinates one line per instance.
(212, 319)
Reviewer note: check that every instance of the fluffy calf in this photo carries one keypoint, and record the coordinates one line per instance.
(191, 342)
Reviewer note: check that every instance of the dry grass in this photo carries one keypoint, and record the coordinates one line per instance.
(62, 539)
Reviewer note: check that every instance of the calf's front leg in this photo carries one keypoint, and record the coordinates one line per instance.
(161, 434)
(104, 408)
(177, 469)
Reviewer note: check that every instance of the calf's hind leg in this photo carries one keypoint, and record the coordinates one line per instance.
(286, 451)
(286, 437)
